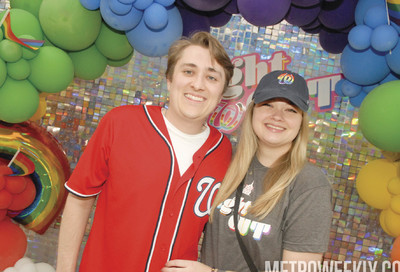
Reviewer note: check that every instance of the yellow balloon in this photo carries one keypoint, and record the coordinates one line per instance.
(382, 217)
(394, 186)
(40, 112)
(372, 182)
(395, 204)
(392, 222)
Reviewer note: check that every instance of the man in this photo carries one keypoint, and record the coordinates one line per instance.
(154, 171)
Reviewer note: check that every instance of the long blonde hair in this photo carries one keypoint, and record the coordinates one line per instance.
(278, 177)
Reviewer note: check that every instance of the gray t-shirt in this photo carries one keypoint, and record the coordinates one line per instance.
(299, 222)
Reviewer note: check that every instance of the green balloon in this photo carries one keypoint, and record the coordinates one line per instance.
(3, 72)
(121, 62)
(1, 33)
(68, 25)
(52, 70)
(25, 23)
(10, 51)
(88, 63)
(31, 6)
(379, 116)
(113, 44)
(19, 100)
(26, 52)
(19, 70)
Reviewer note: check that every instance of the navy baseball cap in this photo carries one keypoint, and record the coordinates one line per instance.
(283, 84)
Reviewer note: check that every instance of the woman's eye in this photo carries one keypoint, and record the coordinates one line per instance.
(292, 110)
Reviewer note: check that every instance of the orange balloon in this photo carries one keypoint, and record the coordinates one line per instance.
(13, 243)
(395, 254)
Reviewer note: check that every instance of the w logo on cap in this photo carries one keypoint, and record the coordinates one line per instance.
(285, 78)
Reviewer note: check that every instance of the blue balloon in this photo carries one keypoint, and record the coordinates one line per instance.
(127, 1)
(375, 16)
(119, 8)
(142, 4)
(358, 99)
(360, 37)
(120, 22)
(338, 87)
(369, 88)
(390, 77)
(165, 3)
(155, 16)
(384, 38)
(90, 4)
(397, 27)
(365, 67)
(156, 43)
(350, 89)
(363, 6)
(393, 59)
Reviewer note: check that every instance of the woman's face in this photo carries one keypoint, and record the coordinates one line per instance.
(276, 123)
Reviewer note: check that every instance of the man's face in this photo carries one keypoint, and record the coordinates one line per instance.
(195, 88)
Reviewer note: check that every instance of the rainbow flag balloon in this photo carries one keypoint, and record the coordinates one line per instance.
(394, 11)
(5, 23)
(42, 157)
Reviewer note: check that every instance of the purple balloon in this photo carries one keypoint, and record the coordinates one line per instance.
(232, 7)
(206, 5)
(338, 15)
(300, 16)
(193, 21)
(219, 19)
(332, 41)
(313, 28)
(306, 3)
(263, 12)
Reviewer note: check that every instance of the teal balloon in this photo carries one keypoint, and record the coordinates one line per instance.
(379, 116)
(3, 72)
(52, 70)
(68, 25)
(19, 70)
(121, 62)
(88, 63)
(25, 23)
(10, 51)
(113, 44)
(19, 100)
(31, 6)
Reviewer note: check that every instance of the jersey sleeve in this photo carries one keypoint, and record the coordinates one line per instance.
(92, 168)
(308, 216)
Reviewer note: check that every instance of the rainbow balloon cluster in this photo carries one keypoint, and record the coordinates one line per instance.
(43, 159)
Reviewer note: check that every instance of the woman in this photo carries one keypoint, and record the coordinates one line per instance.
(285, 208)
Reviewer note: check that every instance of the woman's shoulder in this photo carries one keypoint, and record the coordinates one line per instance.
(311, 177)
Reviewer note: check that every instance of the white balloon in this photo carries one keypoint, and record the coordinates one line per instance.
(27, 267)
(22, 261)
(44, 267)
(10, 269)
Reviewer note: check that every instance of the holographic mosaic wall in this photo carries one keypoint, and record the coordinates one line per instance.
(336, 144)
